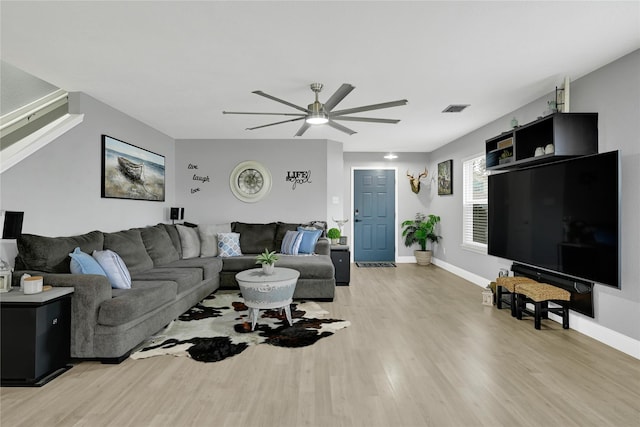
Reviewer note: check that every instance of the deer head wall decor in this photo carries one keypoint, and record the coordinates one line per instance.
(415, 182)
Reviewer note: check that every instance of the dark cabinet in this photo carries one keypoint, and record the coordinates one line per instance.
(551, 138)
(341, 258)
(35, 336)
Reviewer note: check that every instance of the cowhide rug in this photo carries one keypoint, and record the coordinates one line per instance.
(219, 327)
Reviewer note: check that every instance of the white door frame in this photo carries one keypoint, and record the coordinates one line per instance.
(395, 207)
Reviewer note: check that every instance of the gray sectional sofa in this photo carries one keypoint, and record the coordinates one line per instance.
(107, 324)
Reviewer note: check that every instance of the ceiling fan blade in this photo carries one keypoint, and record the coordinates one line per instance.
(370, 107)
(338, 96)
(366, 119)
(340, 127)
(282, 101)
(276, 123)
(266, 114)
(303, 129)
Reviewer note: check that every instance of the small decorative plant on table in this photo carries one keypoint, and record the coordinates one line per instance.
(268, 261)
(420, 230)
(334, 235)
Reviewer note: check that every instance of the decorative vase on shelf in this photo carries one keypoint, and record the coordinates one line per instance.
(268, 268)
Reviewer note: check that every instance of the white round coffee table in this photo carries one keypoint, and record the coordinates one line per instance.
(267, 291)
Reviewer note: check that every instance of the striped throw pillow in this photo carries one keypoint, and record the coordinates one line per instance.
(291, 242)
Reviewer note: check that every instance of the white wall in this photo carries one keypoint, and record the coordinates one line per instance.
(59, 186)
(216, 159)
(614, 92)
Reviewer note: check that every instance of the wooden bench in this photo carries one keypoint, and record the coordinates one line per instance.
(506, 286)
(540, 294)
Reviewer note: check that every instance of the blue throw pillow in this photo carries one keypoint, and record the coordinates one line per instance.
(82, 263)
(291, 242)
(310, 237)
(229, 245)
(116, 269)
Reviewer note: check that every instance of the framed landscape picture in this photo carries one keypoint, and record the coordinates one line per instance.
(130, 172)
(445, 178)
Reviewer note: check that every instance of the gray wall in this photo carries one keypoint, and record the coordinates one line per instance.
(58, 187)
(216, 159)
(409, 203)
(614, 92)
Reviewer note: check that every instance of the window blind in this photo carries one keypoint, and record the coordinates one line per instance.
(475, 205)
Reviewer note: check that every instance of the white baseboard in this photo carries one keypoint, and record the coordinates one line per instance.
(577, 321)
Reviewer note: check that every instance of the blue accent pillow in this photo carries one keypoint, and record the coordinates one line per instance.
(229, 244)
(82, 263)
(291, 242)
(310, 237)
(114, 266)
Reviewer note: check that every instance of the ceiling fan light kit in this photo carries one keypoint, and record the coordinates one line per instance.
(317, 113)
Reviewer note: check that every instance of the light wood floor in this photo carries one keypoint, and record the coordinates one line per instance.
(421, 351)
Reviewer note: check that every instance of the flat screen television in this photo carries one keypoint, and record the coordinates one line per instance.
(562, 217)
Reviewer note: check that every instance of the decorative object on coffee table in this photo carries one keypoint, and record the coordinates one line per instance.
(267, 291)
(268, 261)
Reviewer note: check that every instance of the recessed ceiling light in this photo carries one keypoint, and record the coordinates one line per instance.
(455, 108)
(390, 156)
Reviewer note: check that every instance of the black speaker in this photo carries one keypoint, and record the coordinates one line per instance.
(12, 225)
(174, 213)
(181, 213)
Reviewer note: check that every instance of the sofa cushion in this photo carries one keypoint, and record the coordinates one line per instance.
(172, 231)
(130, 304)
(114, 268)
(158, 245)
(83, 263)
(210, 266)
(185, 278)
(310, 237)
(229, 245)
(189, 241)
(255, 238)
(51, 254)
(129, 245)
(208, 234)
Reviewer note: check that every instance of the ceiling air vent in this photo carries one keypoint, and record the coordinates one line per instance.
(455, 108)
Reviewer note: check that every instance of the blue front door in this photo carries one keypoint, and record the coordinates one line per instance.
(374, 215)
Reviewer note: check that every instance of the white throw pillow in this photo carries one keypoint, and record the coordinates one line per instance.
(115, 268)
(208, 234)
(189, 241)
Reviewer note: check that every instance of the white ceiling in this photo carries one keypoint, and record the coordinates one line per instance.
(177, 65)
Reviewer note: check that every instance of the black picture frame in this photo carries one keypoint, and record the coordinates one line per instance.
(131, 172)
(445, 178)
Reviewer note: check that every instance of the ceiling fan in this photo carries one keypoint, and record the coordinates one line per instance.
(318, 113)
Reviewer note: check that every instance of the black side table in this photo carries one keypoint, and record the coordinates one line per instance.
(35, 336)
(341, 258)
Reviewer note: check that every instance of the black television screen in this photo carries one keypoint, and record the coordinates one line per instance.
(562, 217)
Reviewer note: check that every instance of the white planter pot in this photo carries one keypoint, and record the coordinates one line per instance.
(268, 268)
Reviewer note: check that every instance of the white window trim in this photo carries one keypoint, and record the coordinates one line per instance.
(470, 246)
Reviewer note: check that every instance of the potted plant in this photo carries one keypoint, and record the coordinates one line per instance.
(334, 235)
(268, 261)
(420, 230)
